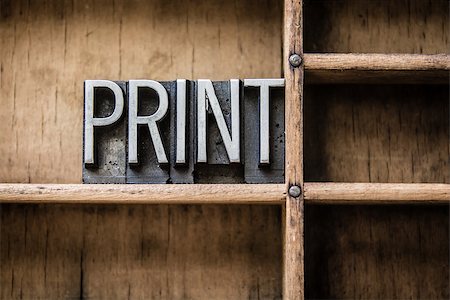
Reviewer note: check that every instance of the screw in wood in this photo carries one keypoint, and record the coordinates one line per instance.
(295, 191)
(295, 60)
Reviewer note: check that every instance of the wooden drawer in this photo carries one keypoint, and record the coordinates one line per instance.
(367, 140)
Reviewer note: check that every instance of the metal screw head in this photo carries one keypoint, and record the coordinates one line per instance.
(295, 60)
(295, 191)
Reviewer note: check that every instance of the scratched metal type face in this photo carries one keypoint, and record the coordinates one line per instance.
(145, 131)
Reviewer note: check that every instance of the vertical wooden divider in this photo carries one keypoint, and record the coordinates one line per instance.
(293, 214)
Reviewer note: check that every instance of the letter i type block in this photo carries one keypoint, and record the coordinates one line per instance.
(181, 133)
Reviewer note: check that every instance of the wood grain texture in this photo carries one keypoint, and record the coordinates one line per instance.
(293, 271)
(377, 133)
(377, 68)
(385, 133)
(376, 193)
(48, 48)
(143, 193)
(376, 62)
(314, 193)
(140, 252)
(377, 26)
(377, 252)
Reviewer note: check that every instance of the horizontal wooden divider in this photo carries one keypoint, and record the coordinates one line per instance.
(314, 193)
(377, 68)
(144, 193)
(376, 193)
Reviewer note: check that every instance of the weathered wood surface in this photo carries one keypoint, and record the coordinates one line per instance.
(377, 133)
(314, 193)
(377, 252)
(376, 62)
(377, 68)
(388, 134)
(143, 193)
(140, 252)
(293, 265)
(48, 48)
(377, 26)
(376, 193)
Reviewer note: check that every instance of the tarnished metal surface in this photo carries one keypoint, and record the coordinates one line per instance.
(180, 121)
(91, 121)
(264, 130)
(229, 129)
(184, 131)
(105, 121)
(264, 86)
(295, 191)
(135, 119)
(153, 131)
(218, 168)
(182, 138)
(295, 60)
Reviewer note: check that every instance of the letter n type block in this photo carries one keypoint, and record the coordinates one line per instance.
(104, 134)
(264, 130)
(149, 131)
(218, 132)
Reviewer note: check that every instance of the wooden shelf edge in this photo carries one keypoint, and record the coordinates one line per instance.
(373, 61)
(314, 193)
(376, 193)
(143, 193)
(377, 68)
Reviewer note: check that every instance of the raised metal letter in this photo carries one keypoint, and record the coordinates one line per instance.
(231, 141)
(264, 103)
(181, 122)
(151, 120)
(90, 121)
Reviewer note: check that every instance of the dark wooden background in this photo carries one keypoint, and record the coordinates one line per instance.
(352, 133)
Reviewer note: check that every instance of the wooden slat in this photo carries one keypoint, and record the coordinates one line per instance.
(377, 193)
(314, 193)
(293, 216)
(145, 193)
(387, 62)
(377, 68)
